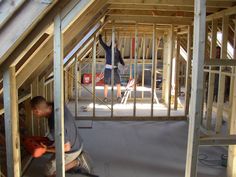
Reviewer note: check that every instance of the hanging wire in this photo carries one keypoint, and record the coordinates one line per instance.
(204, 160)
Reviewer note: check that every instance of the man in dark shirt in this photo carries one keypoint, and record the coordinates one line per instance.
(108, 69)
(73, 142)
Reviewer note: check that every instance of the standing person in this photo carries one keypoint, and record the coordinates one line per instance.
(74, 155)
(108, 69)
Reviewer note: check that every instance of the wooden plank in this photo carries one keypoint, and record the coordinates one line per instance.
(112, 71)
(66, 87)
(58, 97)
(41, 92)
(197, 88)
(221, 87)
(28, 116)
(220, 62)
(188, 70)
(135, 68)
(148, 20)
(177, 69)
(94, 74)
(33, 62)
(143, 63)
(220, 14)
(169, 80)
(79, 79)
(231, 168)
(211, 79)
(7, 9)
(218, 140)
(124, 12)
(74, 12)
(12, 136)
(158, 7)
(154, 38)
(76, 86)
(165, 69)
(211, 3)
(35, 92)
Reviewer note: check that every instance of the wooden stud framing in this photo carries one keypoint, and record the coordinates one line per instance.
(143, 64)
(165, 69)
(177, 74)
(112, 71)
(76, 86)
(11, 122)
(197, 88)
(188, 70)
(35, 121)
(79, 79)
(153, 66)
(221, 87)
(58, 97)
(211, 79)
(131, 58)
(171, 45)
(135, 68)
(231, 169)
(94, 74)
(218, 140)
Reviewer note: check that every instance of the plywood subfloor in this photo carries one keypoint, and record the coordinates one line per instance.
(139, 149)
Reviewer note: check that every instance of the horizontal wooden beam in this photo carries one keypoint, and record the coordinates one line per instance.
(74, 11)
(157, 20)
(218, 140)
(150, 13)
(220, 62)
(158, 7)
(131, 118)
(130, 61)
(211, 3)
(220, 14)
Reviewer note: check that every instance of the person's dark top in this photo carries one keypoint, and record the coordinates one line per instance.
(118, 58)
(70, 129)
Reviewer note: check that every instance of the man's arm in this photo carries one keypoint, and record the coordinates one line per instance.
(121, 59)
(52, 149)
(104, 45)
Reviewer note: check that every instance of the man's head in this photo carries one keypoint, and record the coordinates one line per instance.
(40, 107)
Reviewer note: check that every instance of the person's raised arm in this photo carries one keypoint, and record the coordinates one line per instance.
(121, 59)
(104, 45)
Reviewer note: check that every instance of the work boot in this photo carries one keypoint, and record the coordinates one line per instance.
(85, 163)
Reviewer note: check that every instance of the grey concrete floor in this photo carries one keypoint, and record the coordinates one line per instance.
(139, 149)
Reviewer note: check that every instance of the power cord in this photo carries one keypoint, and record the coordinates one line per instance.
(217, 163)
